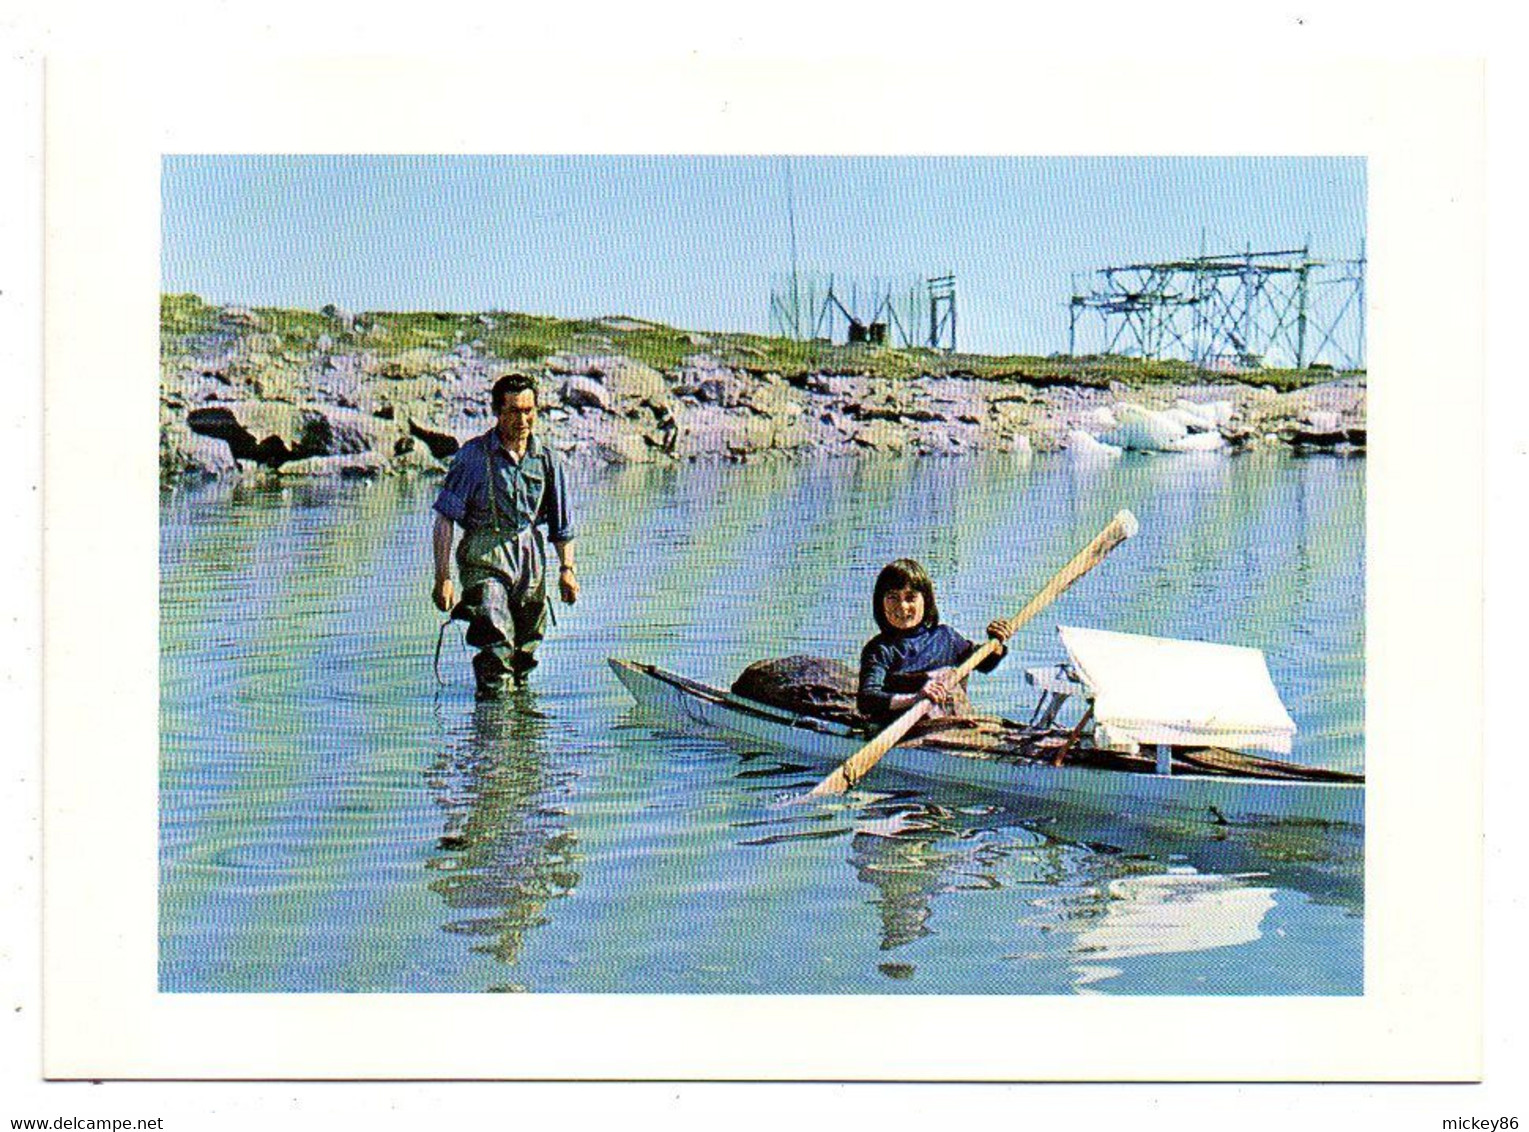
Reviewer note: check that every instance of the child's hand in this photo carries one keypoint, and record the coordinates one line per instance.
(939, 686)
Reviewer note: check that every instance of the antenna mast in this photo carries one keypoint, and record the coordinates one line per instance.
(796, 310)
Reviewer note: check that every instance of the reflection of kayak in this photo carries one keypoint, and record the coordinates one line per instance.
(1177, 911)
(1018, 762)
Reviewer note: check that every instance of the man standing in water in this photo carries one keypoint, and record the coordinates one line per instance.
(503, 487)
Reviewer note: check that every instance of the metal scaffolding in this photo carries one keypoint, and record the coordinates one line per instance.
(821, 306)
(1239, 310)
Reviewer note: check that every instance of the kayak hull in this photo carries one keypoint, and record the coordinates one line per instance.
(1143, 796)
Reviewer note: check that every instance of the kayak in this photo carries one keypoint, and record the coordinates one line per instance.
(1019, 763)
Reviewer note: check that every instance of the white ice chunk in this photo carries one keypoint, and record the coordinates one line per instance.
(1198, 442)
(1215, 414)
(1191, 420)
(1101, 418)
(1144, 430)
(1084, 446)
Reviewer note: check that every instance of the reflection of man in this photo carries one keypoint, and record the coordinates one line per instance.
(502, 488)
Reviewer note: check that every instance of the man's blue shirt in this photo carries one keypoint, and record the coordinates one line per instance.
(527, 491)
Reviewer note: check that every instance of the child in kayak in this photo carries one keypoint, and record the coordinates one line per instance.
(914, 656)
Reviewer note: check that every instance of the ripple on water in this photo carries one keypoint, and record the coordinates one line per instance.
(331, 819)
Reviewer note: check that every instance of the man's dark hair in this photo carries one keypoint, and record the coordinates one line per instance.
(904, 574)
(509, 385)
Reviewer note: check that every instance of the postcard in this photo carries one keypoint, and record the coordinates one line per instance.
(657, 604)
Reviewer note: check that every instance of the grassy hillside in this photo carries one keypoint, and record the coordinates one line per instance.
(188, 324)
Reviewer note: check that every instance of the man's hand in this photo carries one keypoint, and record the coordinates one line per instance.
(445, 594)
(568, 585)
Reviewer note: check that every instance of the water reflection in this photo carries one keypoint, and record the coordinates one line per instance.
(505, 851)
(1180, 910)
(1106, 891)
(308, 845)
(917, 853)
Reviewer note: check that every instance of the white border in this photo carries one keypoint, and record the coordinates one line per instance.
(1420, 125)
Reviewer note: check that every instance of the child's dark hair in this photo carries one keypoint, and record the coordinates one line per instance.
(509, 385)
(904, 574)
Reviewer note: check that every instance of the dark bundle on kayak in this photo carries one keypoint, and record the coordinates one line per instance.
(811, 685)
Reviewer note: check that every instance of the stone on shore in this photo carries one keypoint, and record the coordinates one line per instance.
(626, 379)
(246, 386)
(625, 448)
(275, 432)
(366, 466)
(241, 317)
(186, 453)
(585, 393)
(412, 364)
(881, 436)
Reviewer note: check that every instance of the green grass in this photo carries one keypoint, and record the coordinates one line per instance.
(182, 315)
(515, 337)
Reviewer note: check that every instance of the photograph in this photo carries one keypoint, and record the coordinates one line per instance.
(775, 574)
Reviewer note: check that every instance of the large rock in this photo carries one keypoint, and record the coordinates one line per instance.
(624, 448)
(338, 431)
(241, 317)
(881, 437)
(411, 455)
(367, 466)
(276, 432)
(633, 381)
(775, 399)
(186, 453)
(896, 409)
(199, 388)
(440, 441)
(340, 379)
(600, 436)
(709, 432)
(713, 389)
(418, 362)
(266, 431)
(585, 393)
(626, 379)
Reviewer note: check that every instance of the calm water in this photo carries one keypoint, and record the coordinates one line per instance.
(333, 820)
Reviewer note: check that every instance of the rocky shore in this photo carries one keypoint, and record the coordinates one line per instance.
(328, 393)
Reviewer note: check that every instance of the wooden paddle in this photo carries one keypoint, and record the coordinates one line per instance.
(858, 765)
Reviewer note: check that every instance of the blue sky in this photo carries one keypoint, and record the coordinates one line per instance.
(695, 241)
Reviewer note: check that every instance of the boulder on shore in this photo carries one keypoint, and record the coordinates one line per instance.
(273, 390)
(274, 432)
(366, 466)
(585, 393)
(186, 453)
